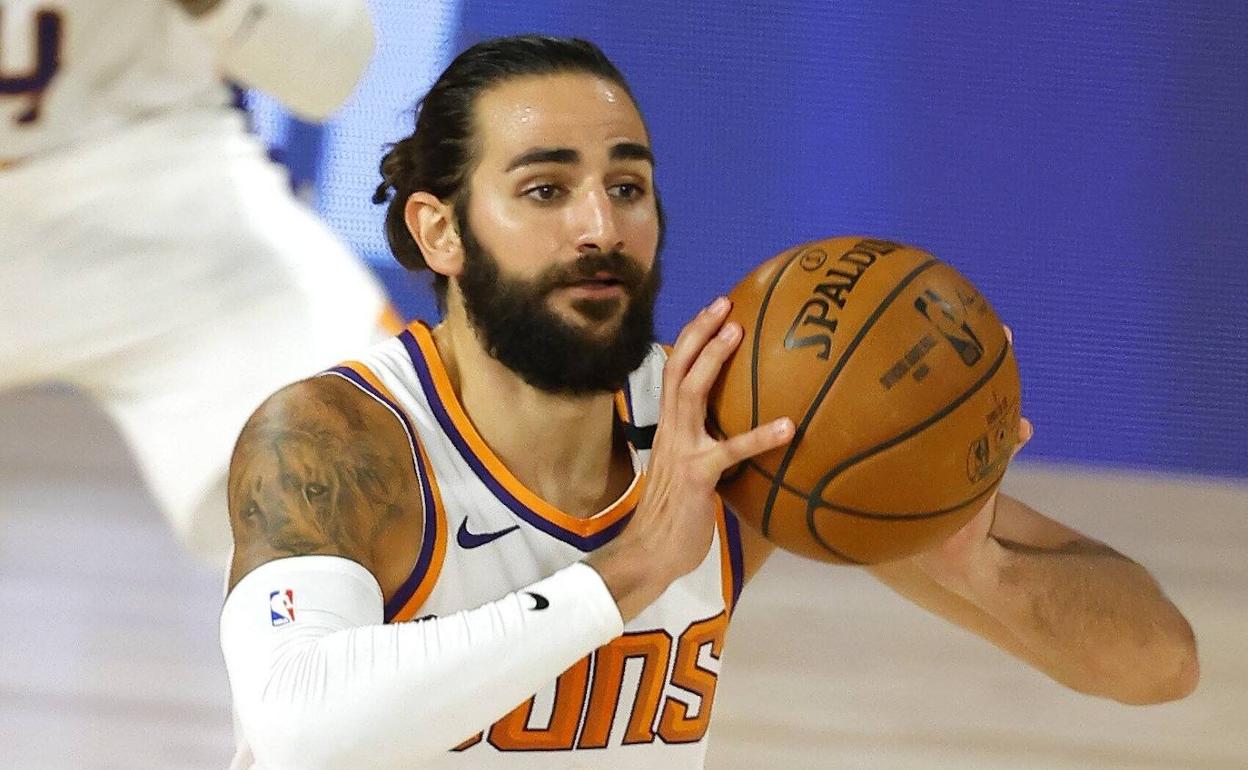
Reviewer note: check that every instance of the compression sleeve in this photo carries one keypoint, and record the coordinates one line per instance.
(308, 54)
(319, 682)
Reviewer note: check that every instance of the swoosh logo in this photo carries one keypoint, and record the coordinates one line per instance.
(539, 602)
(468, 539)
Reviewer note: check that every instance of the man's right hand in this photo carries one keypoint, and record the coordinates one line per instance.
(673, 527)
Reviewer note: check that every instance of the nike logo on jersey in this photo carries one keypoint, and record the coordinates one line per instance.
(539, 602)
(467, 539)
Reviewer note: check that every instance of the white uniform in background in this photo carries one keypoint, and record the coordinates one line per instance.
(151, 255)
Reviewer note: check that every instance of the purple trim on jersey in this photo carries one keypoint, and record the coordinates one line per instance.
(736, 556)
(583, 543)
(425, 559)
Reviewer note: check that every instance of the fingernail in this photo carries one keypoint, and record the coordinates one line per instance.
(729, 332)
(783, 426)
(719, 305)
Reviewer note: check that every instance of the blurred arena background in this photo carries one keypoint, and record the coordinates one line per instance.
(1083, 163)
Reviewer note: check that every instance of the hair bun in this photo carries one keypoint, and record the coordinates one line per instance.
(397, 167)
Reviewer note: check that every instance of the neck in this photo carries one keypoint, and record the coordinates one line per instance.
(562, 448)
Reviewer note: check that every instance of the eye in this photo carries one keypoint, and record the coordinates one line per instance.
(313, 490)
(628, 191)
(544, 192)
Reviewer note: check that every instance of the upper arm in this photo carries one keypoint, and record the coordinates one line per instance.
(319, 469)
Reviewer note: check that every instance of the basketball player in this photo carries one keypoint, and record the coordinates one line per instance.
(497, 542)
(150, 253)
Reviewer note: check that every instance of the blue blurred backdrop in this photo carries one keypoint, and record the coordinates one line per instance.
(1083, 163)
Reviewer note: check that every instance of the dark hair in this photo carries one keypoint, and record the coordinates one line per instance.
(439, 154)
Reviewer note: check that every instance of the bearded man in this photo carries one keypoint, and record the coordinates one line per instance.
(497, 542)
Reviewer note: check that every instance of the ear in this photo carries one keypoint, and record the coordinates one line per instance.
(432, 223)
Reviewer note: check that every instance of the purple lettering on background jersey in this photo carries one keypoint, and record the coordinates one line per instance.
(33, 82)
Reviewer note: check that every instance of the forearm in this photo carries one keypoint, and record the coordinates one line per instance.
(335, 688)
(1088, 616)
(308, 54)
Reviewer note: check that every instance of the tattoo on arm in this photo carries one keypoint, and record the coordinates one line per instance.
(313, 474)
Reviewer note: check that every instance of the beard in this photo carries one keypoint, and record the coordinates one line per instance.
(517, 326)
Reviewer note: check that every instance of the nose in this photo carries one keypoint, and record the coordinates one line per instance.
(595, 223)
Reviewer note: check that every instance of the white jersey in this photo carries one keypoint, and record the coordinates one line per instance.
(645, 700)
(151, 254)
(77, 70)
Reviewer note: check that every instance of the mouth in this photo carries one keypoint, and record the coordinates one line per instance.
(600, 285)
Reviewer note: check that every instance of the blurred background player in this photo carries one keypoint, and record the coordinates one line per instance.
(151, 254)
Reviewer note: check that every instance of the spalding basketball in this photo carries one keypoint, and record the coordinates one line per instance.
(902, 385)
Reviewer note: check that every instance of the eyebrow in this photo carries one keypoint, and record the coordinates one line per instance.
(568, 156)
(632, 151)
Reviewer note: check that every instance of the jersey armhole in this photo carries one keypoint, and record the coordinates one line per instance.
(412, 594)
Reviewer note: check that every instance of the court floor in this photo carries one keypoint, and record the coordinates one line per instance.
(109, 653)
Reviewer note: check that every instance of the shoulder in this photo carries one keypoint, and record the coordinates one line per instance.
(320, 468)
(325, 416)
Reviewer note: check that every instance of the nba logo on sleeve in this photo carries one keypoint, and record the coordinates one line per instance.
(282, 607)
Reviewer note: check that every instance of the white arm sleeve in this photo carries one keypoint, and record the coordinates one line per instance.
(319, 682)
(308, 54)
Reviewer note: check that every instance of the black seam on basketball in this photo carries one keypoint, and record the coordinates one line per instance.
(912, 516)
(826, 479)
(814, 533)
(786, 486)
(798, 434)
(758, 335)
(813, 500)
(810, 500)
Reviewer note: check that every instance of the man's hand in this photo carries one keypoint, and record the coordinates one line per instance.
(952, 562)
(674, 524)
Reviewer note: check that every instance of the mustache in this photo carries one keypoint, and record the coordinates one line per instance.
(622, 267)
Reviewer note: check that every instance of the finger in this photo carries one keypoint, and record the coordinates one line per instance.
(1025, 431)
(752, 443)
(693, 337)
(688, 344)
(1009, 335)
(695, 388)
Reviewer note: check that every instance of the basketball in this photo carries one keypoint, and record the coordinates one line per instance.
(902, 385)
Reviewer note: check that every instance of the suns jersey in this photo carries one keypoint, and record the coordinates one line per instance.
(645, 699)
(72, 70)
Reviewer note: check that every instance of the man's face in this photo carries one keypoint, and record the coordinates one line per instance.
(560, 232)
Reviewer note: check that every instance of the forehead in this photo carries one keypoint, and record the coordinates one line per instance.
(573, 110)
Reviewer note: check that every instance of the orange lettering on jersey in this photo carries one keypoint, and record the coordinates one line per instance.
(675, 725)
(654, 648)
(512, 732)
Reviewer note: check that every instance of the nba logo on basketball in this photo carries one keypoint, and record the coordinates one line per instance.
(282, 607)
